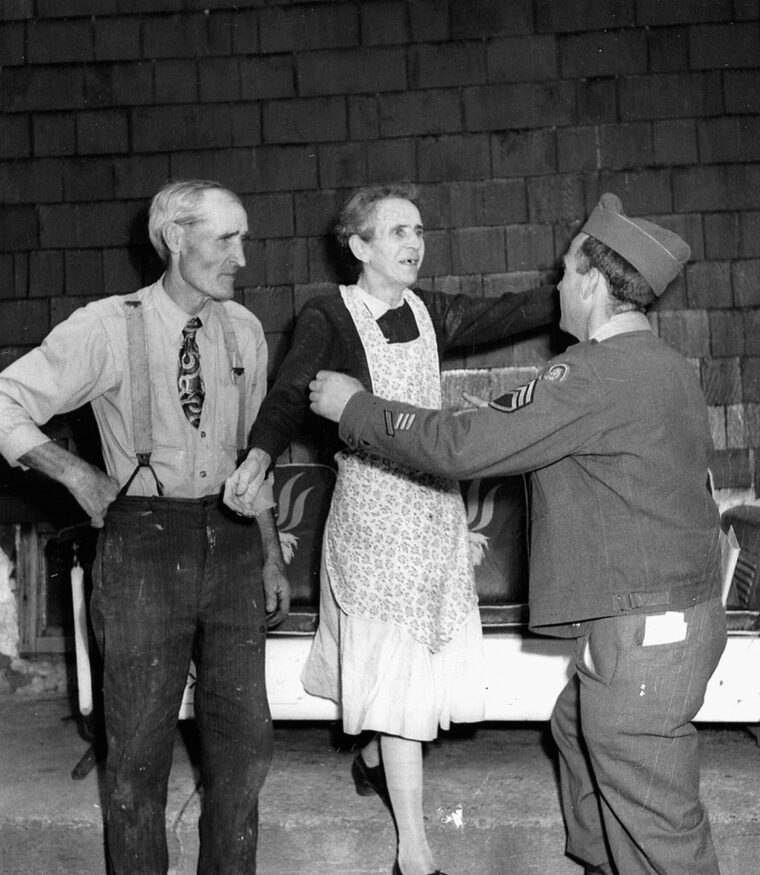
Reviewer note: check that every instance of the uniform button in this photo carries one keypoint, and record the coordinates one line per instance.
(203, 434)
(203, 473)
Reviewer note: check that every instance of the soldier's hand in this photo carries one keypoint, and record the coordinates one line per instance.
(329, 392)
(475, 399)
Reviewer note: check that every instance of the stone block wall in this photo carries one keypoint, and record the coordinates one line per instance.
(513, 116)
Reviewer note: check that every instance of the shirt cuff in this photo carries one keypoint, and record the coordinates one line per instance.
(21, 441)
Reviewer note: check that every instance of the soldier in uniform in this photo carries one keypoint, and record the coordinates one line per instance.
(625, 555)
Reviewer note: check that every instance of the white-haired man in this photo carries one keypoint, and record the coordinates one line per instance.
(175, 374)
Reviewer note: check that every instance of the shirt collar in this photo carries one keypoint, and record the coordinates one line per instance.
(375, 306)
(622, 323)
(174, 317)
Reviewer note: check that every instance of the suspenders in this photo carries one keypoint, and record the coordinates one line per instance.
(139, 378)
(139, 385)
(238, 375)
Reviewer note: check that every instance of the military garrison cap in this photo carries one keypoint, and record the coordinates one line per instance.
(656, 253)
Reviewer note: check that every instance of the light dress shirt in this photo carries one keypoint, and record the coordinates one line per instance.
(85, 359)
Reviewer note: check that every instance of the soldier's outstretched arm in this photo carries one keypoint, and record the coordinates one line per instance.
(530, 426)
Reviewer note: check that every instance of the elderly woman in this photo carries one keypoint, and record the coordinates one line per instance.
(399, 642)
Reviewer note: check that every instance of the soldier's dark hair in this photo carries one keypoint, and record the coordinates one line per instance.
(628, 288)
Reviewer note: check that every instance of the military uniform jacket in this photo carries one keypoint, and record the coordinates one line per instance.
(617, 437)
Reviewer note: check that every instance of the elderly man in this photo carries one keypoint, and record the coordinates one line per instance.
(175, 373)
(625, 554)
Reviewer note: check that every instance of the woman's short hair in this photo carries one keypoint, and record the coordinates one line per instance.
(360, 210)
(177, 201)
(627, 286)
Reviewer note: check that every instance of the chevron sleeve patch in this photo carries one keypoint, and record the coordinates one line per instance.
(515, 399)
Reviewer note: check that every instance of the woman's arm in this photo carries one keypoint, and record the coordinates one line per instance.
(282, 413)
(461, 320)
(315, 344)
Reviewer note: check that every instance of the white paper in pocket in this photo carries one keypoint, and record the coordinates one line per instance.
(667, 628)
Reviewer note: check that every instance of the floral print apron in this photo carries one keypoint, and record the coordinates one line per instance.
(396, 542)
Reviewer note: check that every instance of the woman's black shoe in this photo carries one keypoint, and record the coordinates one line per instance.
(369, 780)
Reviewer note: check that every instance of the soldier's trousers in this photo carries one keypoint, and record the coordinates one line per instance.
(629, 766)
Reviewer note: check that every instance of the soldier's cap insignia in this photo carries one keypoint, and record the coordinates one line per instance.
(515, 399)
(556, 373)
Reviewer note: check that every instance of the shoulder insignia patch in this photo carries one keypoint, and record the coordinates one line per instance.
(515, 398)
(556, 373)
(399, 422)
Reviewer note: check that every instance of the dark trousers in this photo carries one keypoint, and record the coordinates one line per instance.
(629, 766)
(175, 579)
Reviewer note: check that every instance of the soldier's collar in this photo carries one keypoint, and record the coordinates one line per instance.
(622, 323)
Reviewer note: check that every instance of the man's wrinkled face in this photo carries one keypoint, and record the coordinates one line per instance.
(395, 252)
(212, 248)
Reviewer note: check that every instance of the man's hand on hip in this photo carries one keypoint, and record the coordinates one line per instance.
(93, 489)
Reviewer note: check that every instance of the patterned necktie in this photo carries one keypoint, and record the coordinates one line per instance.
(189, 379)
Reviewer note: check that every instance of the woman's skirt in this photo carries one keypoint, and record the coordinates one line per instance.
(387, 681)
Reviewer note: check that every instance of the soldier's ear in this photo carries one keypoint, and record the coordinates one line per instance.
(592, 281)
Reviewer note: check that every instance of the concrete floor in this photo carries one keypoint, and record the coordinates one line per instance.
(501, 776)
